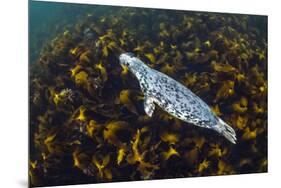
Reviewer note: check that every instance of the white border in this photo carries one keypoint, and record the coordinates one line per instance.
(239, 6)
(13, 93)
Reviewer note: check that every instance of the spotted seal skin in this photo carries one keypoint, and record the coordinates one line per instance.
(174, 98)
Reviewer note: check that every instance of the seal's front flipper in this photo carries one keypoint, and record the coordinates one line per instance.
(149, 106)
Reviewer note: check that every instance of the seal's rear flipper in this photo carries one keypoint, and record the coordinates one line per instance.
(149, 106)
(227, 131)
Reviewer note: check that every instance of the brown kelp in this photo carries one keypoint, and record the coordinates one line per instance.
(87, 122)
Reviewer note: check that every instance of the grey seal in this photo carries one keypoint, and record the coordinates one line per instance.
(174, 98)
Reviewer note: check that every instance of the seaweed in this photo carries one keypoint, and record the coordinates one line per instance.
(87, 122)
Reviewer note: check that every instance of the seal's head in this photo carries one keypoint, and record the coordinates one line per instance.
(130, 62)
(127, 59)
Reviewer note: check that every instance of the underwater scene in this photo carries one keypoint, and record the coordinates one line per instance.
(126, 94)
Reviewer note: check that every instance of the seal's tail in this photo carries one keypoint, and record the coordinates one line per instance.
(227, 131)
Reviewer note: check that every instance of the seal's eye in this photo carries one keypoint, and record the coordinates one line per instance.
(126, 63)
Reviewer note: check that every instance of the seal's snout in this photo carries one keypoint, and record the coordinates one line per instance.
(122, 59)
(125, 58)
